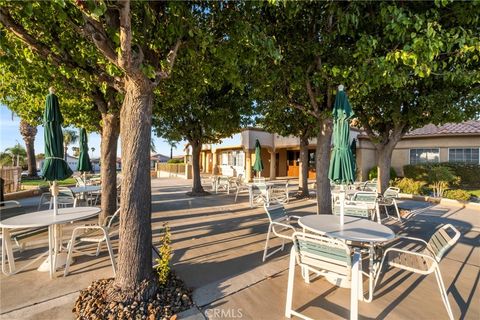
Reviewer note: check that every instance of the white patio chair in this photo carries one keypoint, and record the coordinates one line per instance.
(388, 200)
(369, 199)
(260, 191)
(79, 181)
(65, 199)
(93, 234)
(425, 261)
(370, 185)
(240, 185)
(209, 180)
(279, 220)
(223, 183)
(323, 256)
(279, 194)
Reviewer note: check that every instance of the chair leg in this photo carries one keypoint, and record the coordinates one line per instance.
(110, 252)
(99, 246)
(236, 194)
(379, 271)
(291, 276)
(443, 292)
(70, 246)
(396, 209)
(266, 243)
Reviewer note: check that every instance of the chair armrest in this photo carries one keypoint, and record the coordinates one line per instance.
(283, 225)
(96, 227)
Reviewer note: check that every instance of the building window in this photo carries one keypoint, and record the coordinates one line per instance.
(465, 155)
(424, 155)
(233, 158)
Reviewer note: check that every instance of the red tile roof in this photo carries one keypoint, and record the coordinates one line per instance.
(467, 127)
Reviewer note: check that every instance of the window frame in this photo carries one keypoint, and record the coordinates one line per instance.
(463, 148)
(410, 155)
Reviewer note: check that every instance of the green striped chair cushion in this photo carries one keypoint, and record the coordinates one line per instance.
(352, 211)
(365, 197)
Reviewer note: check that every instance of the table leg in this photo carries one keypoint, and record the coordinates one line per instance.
(250, 196)
(354, 288)
(371, 275)
(7, 252)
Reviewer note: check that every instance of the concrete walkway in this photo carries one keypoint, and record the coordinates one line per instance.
(218, 246)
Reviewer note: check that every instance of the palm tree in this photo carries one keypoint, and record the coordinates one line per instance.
(69, 137)
(28, 133)
(17, 153)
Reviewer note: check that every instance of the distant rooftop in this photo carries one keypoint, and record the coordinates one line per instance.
(464, 128)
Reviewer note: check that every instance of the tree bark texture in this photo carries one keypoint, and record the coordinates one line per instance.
(135, 278)
(303, 183)
(324, 137)
(384, 163)
(197, 188)
(108, 161)
(31, 161)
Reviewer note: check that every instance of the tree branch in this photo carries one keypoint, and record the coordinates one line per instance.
(171, 57)
(125, 57)
(303, 108)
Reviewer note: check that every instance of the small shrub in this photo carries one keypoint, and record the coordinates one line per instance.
(440, 178)
(410, 186)
(373, 173)
(467, 172)
(163, 263)
(457, 194)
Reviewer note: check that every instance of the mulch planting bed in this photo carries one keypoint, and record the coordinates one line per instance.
(170, 299)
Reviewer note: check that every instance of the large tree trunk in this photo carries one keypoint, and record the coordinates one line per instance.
(32, 163)
(324, 138)
(384, 155)
(135, 278)
(303, 182)
(108, 161)
(197, 189)
(384, 163)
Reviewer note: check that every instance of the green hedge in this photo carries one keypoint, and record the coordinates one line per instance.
(469, 173)
(175, 160)
(373, 173)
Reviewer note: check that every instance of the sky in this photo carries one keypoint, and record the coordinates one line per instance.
(10, 135)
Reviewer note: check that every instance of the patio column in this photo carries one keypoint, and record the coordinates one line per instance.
(248, 165)
(273, 164)
(214, 162)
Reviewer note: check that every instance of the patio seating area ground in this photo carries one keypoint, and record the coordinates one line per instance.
(218, 246)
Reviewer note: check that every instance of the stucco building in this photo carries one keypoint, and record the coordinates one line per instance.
(236, 155)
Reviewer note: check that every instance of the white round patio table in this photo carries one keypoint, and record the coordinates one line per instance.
(45, 218)
(354, 229)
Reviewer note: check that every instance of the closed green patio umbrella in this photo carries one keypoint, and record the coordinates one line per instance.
(84, 163)
(54, 167)
(258, 165)
(342, 163)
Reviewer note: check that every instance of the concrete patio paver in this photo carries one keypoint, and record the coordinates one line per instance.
(218, 248)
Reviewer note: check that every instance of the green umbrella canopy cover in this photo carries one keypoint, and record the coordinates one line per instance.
(54, 166)
(342, 163)
(84, 163)
(258, 165)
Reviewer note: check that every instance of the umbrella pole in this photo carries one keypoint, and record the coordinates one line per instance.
(54, 191)
(342, 203)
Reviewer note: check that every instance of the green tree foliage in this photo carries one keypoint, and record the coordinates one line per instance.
(423, 68)
(69, 137)
(16, 154)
